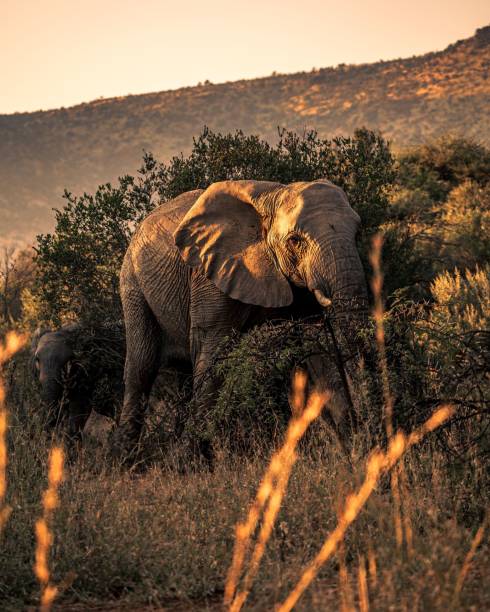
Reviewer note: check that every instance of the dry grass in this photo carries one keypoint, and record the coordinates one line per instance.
(377, 464)
(165, 539)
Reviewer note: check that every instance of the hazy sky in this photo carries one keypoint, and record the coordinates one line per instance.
(61, 52)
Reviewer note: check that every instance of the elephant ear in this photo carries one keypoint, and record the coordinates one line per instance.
(223, 234)
(36, 336)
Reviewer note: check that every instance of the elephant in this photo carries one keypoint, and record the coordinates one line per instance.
(223, 259)
(68, 387)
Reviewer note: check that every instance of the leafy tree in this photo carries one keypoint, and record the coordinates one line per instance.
(78, 265)
(361, 165)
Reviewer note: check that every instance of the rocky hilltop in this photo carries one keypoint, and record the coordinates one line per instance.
(410, 100)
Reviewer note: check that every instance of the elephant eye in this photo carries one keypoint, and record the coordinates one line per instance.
(294, 241)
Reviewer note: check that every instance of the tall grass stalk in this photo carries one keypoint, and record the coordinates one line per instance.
(44, 536)
(271, 490)
(372, 566)
(346, 599)
(362, 585)
(375, 258)
(13, 343)
(378, 464)
(469, 557)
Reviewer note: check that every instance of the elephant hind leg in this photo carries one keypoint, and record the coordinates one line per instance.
(143, 350)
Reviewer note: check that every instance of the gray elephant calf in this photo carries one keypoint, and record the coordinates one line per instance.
(68, 385)
(210, 262)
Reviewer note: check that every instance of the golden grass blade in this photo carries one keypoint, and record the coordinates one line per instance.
(44, 537)
(362, 586)
(3, 453)
(298, 395)
(407, 522)
(271, 490)
(468, 559)
(13, 343)
(397, 510)
(377, 464)
(346, 600)
(378, 314)
(287, 459)
(373, 568)
(270, 515)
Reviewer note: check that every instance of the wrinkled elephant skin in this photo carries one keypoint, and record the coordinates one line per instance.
(213, 261)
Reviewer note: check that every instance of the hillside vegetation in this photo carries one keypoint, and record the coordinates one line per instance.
(409, 100)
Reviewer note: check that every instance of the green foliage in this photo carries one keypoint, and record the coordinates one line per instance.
(462, 301)
(439, 352)
(456, 332)
(252, 408)
(361, 165)
(439, 215)
(440, 166)
(99, 366)
(78, 265)
(465, 226)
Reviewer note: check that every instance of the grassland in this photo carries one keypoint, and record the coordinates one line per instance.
(163, 537)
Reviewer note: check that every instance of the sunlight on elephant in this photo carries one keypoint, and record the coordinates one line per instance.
(227, 258)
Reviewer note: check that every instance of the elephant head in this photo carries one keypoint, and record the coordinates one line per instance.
(253, 239)
(52, 356)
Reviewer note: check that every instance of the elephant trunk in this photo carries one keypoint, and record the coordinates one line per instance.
(51, 394)
(339, 285)
(337, 277)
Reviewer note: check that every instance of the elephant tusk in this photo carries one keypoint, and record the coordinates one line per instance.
(322, 299)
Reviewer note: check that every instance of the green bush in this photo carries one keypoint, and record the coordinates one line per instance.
(438, 217)
(252, 407)
(440, 166)
(465, 226)
(439, 352)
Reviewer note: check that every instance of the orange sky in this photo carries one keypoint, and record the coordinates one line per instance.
(61, 52)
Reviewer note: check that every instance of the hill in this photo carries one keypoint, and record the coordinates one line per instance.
(410, 100)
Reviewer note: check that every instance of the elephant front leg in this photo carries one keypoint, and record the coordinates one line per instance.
(143, 348)
(213, 317)
(78, 413)
(205, 386)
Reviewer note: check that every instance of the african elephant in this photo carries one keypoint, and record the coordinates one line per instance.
(226, 258)
(67, 387)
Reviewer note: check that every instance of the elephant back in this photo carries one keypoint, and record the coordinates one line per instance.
(168, 215)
